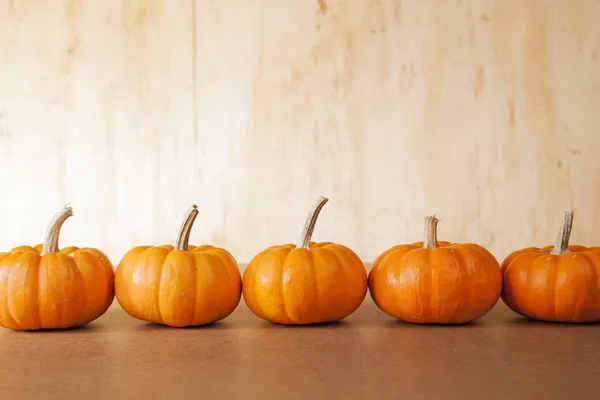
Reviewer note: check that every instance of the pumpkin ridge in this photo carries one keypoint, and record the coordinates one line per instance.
(83, 283)
(159, 289)
(24, 267)
(127, 263)
(595, 291)
(357, 273)
(341, 264)
(141, 262)
(287, 319)
(404, 252)
(88, 258)
(553, 278)
(458, 258)
(487, 257)
(283, 270)
(588, 257)
(591, 276)
(429, 279)
(9, 303)
(229, 280)
(235, 279)
(580, 294)
(195, 291)
(25, 262)
(545, 259)
(67, 263)
(464, 264)
(512, 258)
(250, 272)
(37, 293)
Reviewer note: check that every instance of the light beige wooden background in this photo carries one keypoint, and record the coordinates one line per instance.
(484, 112)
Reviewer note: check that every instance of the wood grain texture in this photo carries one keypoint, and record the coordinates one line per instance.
(482, 112)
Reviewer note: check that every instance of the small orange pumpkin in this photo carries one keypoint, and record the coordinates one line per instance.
(559, 283)
(42, 287)
(435, 282)
(313, 283)
(178, 286)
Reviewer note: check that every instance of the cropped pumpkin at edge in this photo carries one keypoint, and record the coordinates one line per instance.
(559, 283)
(435, 282)
(181, 285)
(51, 288)
(307, 284)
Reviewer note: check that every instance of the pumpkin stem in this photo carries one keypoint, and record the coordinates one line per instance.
(562, 241)
(431, 240)
(53, 231)
(309, 226)
(183, 237)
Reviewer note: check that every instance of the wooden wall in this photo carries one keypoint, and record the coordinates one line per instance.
(486, 113)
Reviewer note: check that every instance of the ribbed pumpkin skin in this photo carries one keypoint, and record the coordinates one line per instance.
(554, 288)
(294, 285)
(62, 289)
(176, 287)
(449, 284)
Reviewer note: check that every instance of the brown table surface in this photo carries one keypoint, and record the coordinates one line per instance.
(368, 355)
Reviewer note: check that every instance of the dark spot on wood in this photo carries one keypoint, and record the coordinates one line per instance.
(397, 9)
(323, 6)
(296, 75)
(594, 55)
(72, 14)
(511, 111)
(335, 82)
(479, 82)
(318, 26)
(576, 152)
(484, 17)
(142, 17)
(373, 31)
(384, 29)
(559, 164)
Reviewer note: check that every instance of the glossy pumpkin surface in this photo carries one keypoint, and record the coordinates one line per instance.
(308, 284)
(52, 289)
(559, 283)
(435, 282)
(178, 286)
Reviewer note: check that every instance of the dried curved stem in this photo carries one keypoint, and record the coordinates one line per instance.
(309, 226)
(431, 241)
(562, 241)
(183, 237)
(53, 231)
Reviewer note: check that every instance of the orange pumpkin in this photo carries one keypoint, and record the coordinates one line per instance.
(559, 283)
(42, 287)
(178, 286)
(435, 282)
(313, 283)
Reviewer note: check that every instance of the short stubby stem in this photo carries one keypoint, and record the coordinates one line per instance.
(53, 232)
(183, 237)
(562, 241)
(430, 241)
(309, 226)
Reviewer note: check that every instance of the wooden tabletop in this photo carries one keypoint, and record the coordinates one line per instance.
(367, 356)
